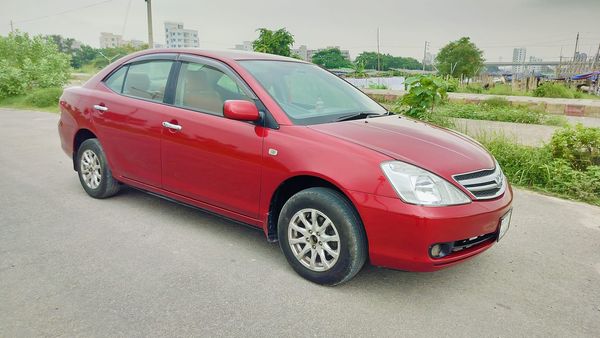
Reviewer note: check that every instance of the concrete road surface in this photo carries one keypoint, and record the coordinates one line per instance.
(136, 265)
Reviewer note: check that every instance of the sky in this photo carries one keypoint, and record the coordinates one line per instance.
(544, 27)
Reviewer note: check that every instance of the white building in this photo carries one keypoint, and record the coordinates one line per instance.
(307, 54)
(519, 56)
(536, 69)
(110, 40)
(245, 46)
(178, 37)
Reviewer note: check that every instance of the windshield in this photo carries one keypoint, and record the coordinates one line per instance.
(309, 94)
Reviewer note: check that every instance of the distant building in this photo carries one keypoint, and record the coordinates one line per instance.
(178, 37)
(519, 56)
(136, 43)
(110, 40)
(245, 46)
(307, 54)
(302, 52)
(536, 69)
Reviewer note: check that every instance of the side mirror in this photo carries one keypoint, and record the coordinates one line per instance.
(240, 110)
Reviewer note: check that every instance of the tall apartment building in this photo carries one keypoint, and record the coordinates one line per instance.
(178, 37)
(519, 56)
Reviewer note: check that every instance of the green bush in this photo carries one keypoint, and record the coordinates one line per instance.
(451, 84)
(538, 168)
(45, 97)
(579, 146)
(28, 63)
(551, 89)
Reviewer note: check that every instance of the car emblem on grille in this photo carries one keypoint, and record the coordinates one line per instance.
(498, 181)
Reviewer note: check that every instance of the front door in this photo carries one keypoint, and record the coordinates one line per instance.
(206, 156)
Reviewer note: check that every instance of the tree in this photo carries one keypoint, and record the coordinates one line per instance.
(331, 58)
(460, 58)
(64, 45)
(274, 42)
(387, 61)
(30, 62)
(84, 55)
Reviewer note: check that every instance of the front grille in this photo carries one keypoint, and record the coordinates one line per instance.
(483, 184)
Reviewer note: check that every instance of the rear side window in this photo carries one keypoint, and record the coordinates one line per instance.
(205, 88)
(115, 80)
(147, 80)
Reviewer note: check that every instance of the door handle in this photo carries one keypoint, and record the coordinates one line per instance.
(172, 126)
(100, 108)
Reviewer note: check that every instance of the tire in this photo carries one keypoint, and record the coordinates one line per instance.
(295, 226)
(94, 174)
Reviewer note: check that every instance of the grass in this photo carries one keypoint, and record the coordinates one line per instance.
(552, 90)
(377, 86)
(45, 99)
(499, 109)
(538, 169)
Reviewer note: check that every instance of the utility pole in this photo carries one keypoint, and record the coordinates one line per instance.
(596, 57)
(575, 53)
(12, 29)
(425, 54)
(150, 37)
(378, 55)
(559, 68)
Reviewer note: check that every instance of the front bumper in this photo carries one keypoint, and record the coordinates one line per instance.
(400, 235)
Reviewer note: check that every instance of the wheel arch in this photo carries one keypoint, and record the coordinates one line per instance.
(80, 136)
(291, 186)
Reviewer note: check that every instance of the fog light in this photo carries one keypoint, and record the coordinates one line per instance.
(440, 250)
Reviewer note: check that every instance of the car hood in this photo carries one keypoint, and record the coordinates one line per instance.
(436, 149)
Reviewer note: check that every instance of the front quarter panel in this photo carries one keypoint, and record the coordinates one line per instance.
(297, 150)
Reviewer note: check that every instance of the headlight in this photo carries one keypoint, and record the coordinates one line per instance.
(417, 186)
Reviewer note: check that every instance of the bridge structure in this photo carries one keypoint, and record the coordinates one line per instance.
(527, 63)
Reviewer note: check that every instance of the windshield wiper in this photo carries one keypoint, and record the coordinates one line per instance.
(357, 116)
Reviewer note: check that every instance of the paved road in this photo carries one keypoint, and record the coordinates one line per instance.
(137, 265)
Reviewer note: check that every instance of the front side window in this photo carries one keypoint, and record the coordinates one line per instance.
(148, 80)
(309, 94)
(205, 88)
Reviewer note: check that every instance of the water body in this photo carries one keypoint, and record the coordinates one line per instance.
(395, 82)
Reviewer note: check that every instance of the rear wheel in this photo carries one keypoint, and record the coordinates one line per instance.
(322, 236)
(94, 174)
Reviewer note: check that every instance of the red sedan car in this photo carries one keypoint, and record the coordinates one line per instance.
(287, 147)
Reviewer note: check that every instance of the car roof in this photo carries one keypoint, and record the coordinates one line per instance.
(230, 54)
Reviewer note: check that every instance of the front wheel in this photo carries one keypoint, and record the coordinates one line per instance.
(322, 236)
(94, 174)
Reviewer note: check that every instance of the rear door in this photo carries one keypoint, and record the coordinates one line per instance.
(128, 115)
(208, 157)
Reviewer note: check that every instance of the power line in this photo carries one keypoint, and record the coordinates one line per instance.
(126, 18)
(63, 12)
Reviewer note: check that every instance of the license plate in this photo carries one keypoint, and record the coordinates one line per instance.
(504, 224)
